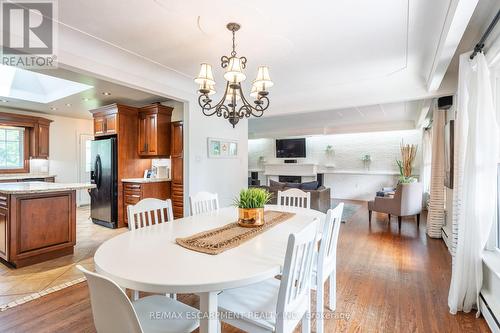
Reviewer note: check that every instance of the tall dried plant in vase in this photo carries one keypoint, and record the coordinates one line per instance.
(408, 154)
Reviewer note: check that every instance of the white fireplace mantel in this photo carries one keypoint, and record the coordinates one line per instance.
(291, 169)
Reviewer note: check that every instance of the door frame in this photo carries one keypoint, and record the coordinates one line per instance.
(81, 138)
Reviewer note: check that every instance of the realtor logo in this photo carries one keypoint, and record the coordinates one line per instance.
(28, 33)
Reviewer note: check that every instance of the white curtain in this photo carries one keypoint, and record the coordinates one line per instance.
(436, 216)
(426, 163)
(474, 195)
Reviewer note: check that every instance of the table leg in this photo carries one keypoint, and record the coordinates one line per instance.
(208, 308)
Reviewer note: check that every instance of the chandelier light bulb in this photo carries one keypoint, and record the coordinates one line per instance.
(205, 86)
(234, 72)
(231, 92)
(263, 77)
(205, 76)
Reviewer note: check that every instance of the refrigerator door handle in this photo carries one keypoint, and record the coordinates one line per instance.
(98, 170)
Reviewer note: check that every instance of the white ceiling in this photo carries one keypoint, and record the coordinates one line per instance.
(323, 55)
(78, 104)
(379, 117)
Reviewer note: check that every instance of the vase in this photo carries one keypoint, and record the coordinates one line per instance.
(251, 217)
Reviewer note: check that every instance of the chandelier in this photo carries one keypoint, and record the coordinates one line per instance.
(233, 106)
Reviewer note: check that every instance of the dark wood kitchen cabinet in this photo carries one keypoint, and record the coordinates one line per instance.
(35, 227)
(39, 139)
(177, 165)
(105, 124)
(37, 134)
(133, 192)
(154, 130)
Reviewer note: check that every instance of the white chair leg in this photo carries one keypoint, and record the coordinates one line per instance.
(306, 319)
(219, 326)
(319, 306)
(135, 295)
(332, 295)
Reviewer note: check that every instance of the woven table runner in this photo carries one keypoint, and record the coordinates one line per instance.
(231, 235)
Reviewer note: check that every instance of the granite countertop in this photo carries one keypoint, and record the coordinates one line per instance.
(41, 187)
(15, 176)
(145, 180)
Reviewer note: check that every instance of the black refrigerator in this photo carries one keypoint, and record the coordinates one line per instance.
(103, 173)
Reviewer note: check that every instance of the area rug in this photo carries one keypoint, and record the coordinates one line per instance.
(349, 209)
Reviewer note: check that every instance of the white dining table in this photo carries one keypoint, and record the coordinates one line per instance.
(148, 259)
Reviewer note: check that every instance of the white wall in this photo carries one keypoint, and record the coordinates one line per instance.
(348, 179)
(224, 176)
(63, 145)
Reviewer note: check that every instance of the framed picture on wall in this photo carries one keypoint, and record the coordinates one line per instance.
(222, 148)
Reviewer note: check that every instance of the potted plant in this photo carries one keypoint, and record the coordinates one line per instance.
(366, 161)
(250, 205)
(405, 165)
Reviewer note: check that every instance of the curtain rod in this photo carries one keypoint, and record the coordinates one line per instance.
(480, 45)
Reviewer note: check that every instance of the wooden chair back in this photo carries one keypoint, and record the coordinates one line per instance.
(148, 212)
(203, 202)
(294, 198)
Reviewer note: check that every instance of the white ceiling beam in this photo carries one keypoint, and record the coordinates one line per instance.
(457, 18)
(328, 130)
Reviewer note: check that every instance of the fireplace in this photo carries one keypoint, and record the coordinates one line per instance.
(290, 179)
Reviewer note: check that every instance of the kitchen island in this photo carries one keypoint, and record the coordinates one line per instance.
(37, 221)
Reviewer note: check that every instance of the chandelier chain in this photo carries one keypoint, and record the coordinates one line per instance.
(233, 53)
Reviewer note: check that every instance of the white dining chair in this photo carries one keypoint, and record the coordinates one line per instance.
(203, 202)
(113, 311)
(288, 299)
(294, 198)
(326, 265)
(149, 211)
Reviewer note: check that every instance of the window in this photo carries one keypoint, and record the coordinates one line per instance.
(12, 148)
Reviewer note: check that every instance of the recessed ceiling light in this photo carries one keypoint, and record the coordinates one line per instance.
(3, 100)
(106, 93)
(85, 99)
(53, 108)
(68, 104)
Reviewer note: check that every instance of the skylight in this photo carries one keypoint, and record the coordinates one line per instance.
(35, 87)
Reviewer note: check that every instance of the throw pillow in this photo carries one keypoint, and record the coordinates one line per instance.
(274, 185)
(292, 185)
(311, 186)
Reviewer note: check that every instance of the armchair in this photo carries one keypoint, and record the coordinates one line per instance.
(407, 201)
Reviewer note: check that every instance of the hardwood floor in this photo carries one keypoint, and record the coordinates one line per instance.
(388, 281)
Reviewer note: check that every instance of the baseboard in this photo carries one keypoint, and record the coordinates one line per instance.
(488, 315)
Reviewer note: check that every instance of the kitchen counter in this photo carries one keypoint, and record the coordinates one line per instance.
(41, 187)
(37, 221)
(20, 176)
(145, 180)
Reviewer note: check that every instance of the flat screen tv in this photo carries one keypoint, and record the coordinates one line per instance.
(291, 148)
